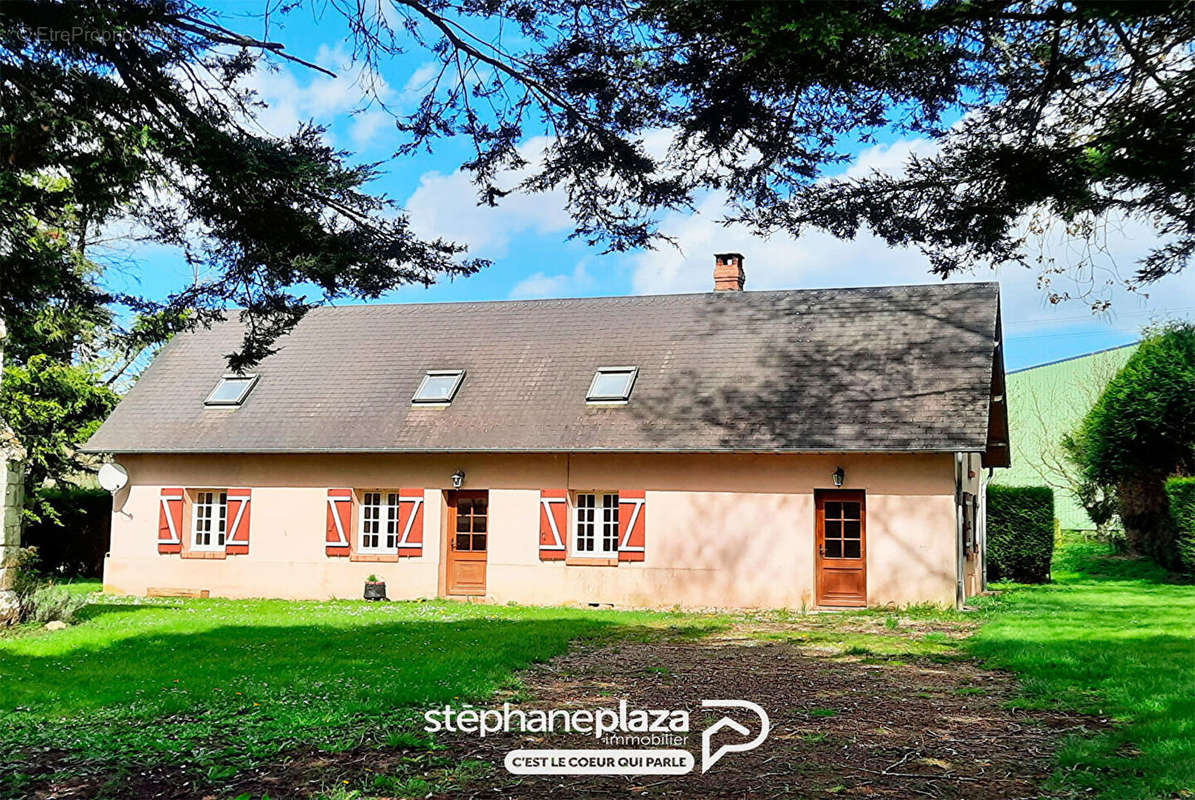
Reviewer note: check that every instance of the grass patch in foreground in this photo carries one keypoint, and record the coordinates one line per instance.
(216, 685)
(1114, 637)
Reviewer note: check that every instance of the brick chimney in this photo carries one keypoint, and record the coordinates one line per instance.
(728, 272)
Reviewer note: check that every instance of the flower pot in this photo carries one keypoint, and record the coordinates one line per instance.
(375, 590)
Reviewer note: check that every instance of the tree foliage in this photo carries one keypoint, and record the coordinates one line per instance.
(1145, 418)
(133, 110)
(1181, 494)
(1040, 110)
(1076, 111)
(53, 407)
(1142, 431)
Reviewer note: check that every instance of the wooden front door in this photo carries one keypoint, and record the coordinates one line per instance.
(841, 548)
(468, 530)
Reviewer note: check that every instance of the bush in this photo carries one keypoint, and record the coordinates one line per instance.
(49, 602)
(1140, 431)
(24, 572)
(1181, 493)
(37, 600)
(72, 541)
(1020, 533)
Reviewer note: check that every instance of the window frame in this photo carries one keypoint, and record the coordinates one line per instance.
(599, 524)
(472, 533)
(215, 546)
(388, 514)
(438, 373)
(611, 399)
(240, 399)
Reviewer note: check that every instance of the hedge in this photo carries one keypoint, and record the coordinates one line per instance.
(73, 547)
(1020, 533)
(1181, 493)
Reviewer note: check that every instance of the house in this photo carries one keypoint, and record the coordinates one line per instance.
(724, 449)
(1046, 402)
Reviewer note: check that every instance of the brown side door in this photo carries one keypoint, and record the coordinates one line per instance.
(841, 548)
(468, 535)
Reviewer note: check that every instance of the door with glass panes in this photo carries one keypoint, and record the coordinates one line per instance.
(468, 532)
(841, 548)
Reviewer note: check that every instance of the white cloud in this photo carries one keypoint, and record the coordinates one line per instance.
(819, 260)
(322, 98)
(367, 126)
(890, 158)
(778, 262)
(541, 284)
(446, 205)
(421, 80)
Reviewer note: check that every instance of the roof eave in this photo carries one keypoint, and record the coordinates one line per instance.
(969, 447)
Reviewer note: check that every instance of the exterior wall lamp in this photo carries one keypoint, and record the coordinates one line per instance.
(839, 477)
(458, 479)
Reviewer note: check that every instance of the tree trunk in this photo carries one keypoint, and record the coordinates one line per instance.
(1145, 513)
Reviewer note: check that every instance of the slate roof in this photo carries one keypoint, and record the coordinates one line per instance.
(889, 369)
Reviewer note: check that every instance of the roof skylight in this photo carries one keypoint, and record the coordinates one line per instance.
(231, 390)
(612, 384)
(439, 386)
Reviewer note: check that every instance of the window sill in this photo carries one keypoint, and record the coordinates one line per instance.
(203, 554)
(589, 561)
(373, 557)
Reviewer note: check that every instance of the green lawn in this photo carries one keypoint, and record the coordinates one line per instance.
(84, 585)
(217, 684)
(1112, 637)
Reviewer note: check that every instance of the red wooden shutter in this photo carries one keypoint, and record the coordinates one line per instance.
(170, 521)
(553, 524)
(410, 522)
(340, 522)
(237, 542)
(632, 524)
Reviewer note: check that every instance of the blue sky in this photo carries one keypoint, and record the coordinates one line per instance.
(526, 238)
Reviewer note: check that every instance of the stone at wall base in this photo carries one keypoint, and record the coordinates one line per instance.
(55, 625)
(10, 608)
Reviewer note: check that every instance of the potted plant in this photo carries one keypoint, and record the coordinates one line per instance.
(375, 589)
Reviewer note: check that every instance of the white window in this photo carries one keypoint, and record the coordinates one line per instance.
(612, 384)
(209, 520)
(595, 528)
(439, 386)
(379, 522)
(231, 390)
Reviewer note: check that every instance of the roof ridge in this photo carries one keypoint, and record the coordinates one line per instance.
(669, 297)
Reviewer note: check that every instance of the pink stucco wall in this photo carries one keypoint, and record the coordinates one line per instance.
(723, 530)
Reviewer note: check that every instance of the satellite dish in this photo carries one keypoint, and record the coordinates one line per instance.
(113, 477)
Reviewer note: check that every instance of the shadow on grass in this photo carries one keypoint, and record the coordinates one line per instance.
(95, 610)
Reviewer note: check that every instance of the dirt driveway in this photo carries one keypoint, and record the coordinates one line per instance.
(842, 725)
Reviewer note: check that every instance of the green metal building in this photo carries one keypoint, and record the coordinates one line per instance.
(1044, 403)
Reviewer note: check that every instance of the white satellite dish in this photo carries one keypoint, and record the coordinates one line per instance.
(113, 477)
